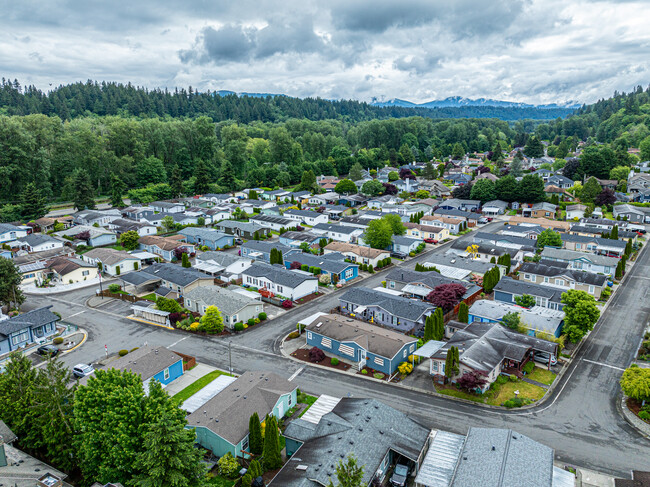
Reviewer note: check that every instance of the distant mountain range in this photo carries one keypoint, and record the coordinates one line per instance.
(450, 102)
(459, 101)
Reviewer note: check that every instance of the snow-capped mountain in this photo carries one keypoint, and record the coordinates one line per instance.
(459, 101)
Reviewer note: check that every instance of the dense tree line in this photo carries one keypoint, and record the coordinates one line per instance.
(83, 99)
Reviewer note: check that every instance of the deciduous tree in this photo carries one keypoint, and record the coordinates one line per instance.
(581, 313)
(635, 383)
(471, 381)
(483, 190)
(129, 240)
(345, 186)
(525, 301)
(379, 234)
(549, 238)
(446, 296)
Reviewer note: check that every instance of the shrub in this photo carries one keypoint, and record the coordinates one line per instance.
(175, 317)
(293, 335)
(300, 327)
(411, 254)
(257, 320)
(228, 466)
(514, 403)
(195, 326)
(251, 322)
(123, 352)
(169, 305)
(364, 372)
(239, 326)
(502, 379)
(133, 349)
(114, 288)
(513, 378)
(371, 269)
(529, 367)
(644, 415)
(378, 375)
(405, 368)
(334, 360)
(57, 341)
(262, 316)
(304, 267)
(287, 304)
(316, 355)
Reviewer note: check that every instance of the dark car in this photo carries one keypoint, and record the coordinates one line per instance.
(400, 475)
(335, 217)
(399, 255)
(49, 350)
(239, 241)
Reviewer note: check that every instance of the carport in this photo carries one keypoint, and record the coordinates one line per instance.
(139, 282)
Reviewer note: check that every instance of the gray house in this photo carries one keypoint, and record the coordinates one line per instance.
(234, 307)
(259, 250)
(27, 328)
(242, 229)
(507, 289)
(397, 312)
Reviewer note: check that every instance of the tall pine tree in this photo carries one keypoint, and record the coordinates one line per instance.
(84, 197)
(463, 313)
(255, 442)
(429, 328)
(32, 203)
(117, 189)
(176, 181)
(202, 178)
(228, 179)
(272, 455)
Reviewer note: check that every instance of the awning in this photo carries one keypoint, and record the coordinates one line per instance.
(209, 268)
(311, 318)
(359, 309)
(429, 349)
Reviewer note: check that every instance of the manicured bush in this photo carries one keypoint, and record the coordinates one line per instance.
(287, 304)
(122, 352)
(371, 269)
(239, 326)
(364, 372)
(644, 415)
(195, 326)
(529, 367)
(251, 322)
(513, 378)
(228, 466)
(262, 316)
(114, 288)
(405, 368)
(333, 360)
(293, 335)
(57, 341)
(316, 355)
(133, 349)
(304, 267)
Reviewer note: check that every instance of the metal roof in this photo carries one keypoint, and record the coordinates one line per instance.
(323, 405)
(198, 399)
(437, 469)
(429, 348)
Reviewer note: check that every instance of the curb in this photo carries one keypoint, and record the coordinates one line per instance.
(639, 425)
(80, 343)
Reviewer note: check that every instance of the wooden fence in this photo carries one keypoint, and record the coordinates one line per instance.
(188, 360)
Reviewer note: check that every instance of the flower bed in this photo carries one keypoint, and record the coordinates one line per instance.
(635, 406)
(303, 354)
(369, 372)
(308, 298)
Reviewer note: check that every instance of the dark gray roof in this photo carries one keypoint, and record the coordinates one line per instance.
(454, 212)
(399, 306)
(605, 242)
(517, 288)
(333, 262)
(273, 219)
(181, 276)
(483, 346)
(430, 279)
(31, 319)
(303, 213)
(227, 414)
(401, 240)
(581, 277)
(301, 236)
(497, 237)
(204, 233)
(537, 229)
(366, 427)
(359, 221)
(266, 247)
(138, 278)
(250, 227)
(335, 228)
(6, 435)
(278, 274)
(228, 302)
(35, 239)
(380, 341)
(146, 361)
(459, 262)
(572, 255)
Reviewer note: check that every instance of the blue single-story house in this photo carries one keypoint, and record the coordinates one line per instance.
(332, 264)
(221, 424)
(356, 341)
(404, 244)
(295, 239)
(27, 328)
(211, 238)
(536, 320)
(150, 363)
(507, 289)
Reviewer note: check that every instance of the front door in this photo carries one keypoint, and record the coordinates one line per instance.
(362, 359)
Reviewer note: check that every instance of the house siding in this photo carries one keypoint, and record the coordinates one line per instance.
(175, 371)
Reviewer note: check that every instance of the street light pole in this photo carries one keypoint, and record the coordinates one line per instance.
(229, 358)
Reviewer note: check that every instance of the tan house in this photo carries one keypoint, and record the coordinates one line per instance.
(540, 210)
(542, 222)
(357, 253)
(453, 224)
(422, 232)
(68, 270)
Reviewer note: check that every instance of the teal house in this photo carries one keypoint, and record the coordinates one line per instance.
(221, 424)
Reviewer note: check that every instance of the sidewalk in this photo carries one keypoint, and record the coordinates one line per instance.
(61, 288)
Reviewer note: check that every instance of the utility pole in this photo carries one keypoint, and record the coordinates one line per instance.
(229, 357)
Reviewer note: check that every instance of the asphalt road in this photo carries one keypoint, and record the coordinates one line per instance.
(580, 420)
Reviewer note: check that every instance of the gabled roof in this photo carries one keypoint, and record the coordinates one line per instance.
(332, 262)
(227, 414)
(30, 319)
(278, 274)
(273, 219)
(570, 255)
(301, 236)
(335, 228)
(204, 233)
(35, 239)
(228, 302)
(379, 341)
(181, 276)
(581, 277)
(222, 258)
(429, 279)
(366, 427)
(517, 288)
(109, 256)
(398, 306)
(358, 250)
(146, 361)
(265, 247)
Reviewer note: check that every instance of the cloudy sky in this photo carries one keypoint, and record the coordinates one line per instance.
(536, 51)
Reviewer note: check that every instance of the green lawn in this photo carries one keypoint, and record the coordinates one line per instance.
(220, 481)
(451, 391)
(306, 399)
(542, 375)
(196, 386)
(512, 213)
(507, 391)
(149, 297)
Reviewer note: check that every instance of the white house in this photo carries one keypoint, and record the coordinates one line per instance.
(114, 262)
(292, 284)
(323, 199)
(307, 217)
(340, 233)
(37, 242)
(10, 232)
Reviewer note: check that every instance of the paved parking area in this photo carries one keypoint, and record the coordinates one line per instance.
(113, 305)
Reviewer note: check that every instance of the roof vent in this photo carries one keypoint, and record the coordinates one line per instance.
(464, 458)
(360, 428)
(493, 448)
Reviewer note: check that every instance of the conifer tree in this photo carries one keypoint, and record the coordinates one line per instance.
(117, 189)
(32, 204)
(176, 181)
(272, 455)
(429, 328)
(463, 313)
(255, 442)
(84, 197)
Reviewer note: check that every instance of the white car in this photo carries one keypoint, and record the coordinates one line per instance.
(82, 370)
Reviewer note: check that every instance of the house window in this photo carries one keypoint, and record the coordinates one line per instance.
(189, 303)
(527, 276)
(559, 282)
(166, 373)
(404, 354)
(591, 289)
(85, 273)
(392, 284)
(21, 337)
(244, 444)
(412, 348)
(434, 365)
(309, 335)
